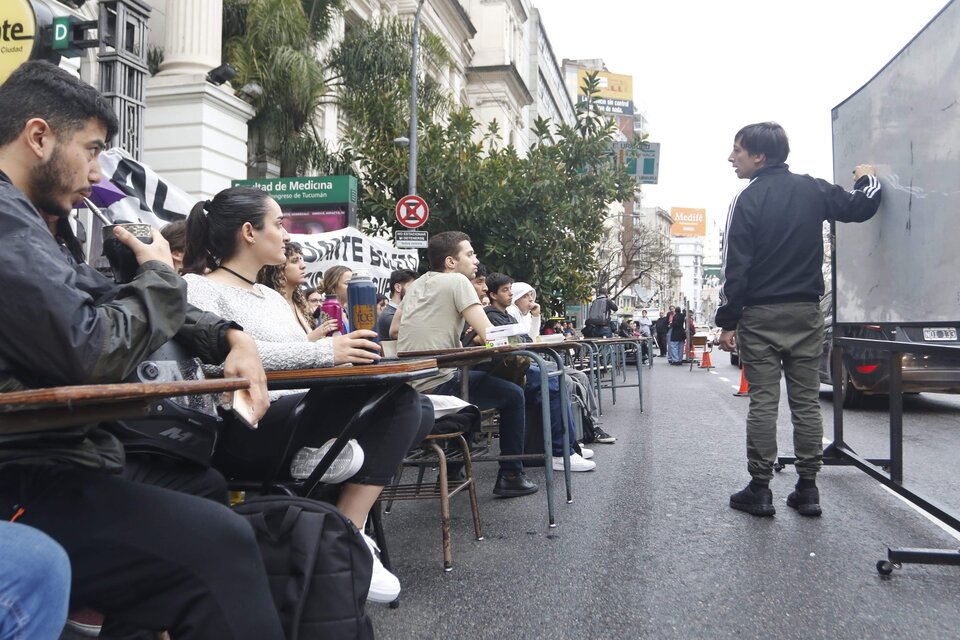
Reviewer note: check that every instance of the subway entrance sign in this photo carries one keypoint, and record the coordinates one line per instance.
(311, 204)
(18, 30)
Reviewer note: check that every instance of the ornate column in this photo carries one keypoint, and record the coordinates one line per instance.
(192, 38)
(195, 132)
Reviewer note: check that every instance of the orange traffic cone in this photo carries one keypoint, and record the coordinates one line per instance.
(744, 387)
(705, 362)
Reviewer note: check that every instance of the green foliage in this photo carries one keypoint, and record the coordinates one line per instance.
(272, 44)
(537, 218)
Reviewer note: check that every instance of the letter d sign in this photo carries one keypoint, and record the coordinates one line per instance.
(61, 32)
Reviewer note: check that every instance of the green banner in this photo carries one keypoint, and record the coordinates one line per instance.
(306, 190)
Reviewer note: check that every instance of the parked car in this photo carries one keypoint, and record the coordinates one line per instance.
(867, 371)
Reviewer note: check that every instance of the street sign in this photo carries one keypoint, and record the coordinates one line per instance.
(412, 211)
(645, 165)
(70, 36)
(411, 239)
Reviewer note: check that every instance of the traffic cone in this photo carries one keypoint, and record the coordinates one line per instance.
(744, 387)
(705, 362)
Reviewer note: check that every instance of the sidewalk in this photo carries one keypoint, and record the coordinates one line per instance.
(650, 549)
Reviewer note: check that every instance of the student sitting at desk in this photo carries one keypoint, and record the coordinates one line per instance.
(230, 239)
(431, 316)
(286, 279)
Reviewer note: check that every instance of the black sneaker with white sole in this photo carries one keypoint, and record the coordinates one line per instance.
(602, 436)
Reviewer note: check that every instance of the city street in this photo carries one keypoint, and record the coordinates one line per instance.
(650, 549)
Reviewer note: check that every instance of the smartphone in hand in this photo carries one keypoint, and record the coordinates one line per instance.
(241, 408)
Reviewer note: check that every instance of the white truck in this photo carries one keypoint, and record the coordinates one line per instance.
(898, 278)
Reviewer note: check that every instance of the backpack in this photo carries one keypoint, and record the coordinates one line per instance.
(597, 313)
(318, 567)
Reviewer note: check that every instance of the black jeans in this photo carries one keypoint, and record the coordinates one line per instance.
(313, 418)
(491, 392)
(148, 557)
(662, 343)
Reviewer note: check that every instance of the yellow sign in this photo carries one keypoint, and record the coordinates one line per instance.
(18, 27)
(688, 222)
(615, 95)
(612, 85)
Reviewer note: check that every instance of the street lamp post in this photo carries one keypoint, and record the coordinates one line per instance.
(412, 178)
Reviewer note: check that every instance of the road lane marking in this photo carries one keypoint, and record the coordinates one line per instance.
(940, 523)
(937, 521)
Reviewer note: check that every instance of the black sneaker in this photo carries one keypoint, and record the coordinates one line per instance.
(514, 485)
(599, 435)
(805, 501)
(756, 502)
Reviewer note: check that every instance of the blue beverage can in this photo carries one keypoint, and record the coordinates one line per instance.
(362, 303)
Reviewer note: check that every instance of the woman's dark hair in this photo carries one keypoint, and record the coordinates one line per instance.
(767, 138)
(273, 276)
(213, 225)
(175, 233)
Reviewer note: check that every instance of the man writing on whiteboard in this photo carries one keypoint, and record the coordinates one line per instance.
(772, 284)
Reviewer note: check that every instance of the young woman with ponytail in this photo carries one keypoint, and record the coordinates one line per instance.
(229, 240)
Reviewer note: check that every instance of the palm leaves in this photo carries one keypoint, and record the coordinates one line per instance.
(272, 44)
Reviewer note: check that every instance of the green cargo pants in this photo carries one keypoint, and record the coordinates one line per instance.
(787, 337)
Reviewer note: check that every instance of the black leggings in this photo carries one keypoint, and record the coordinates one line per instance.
(310, 419)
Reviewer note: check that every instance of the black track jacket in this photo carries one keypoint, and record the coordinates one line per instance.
(773, 245)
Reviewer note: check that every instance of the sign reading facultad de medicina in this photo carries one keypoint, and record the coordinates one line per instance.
(18, 29)
(312, 204)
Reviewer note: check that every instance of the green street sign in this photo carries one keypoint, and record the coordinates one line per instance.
(308, 190)
(648, 164)
(69, 35)
(61, 32)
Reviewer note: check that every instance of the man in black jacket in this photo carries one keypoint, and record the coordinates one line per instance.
(146, 557)
(772, 284)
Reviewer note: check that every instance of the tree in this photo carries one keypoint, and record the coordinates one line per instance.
(626, 261)
(536, 218)
(272, 44)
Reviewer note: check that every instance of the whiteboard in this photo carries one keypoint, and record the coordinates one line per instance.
(903, 265)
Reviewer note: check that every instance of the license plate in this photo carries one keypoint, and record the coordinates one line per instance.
(940, 333)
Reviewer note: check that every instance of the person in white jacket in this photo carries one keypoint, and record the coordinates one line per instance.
(526, 312)
(525, 309)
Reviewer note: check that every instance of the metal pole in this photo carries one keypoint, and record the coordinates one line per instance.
(412, 179)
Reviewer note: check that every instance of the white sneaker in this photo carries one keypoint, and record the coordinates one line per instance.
(585, 453)
(577, 463)
(384, 586)
(344, 467)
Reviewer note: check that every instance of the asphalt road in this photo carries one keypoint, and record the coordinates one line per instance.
(650, 549)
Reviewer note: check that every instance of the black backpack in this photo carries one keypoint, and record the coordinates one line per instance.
(318, 566)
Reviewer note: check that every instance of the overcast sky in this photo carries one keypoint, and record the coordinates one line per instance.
(704, 68)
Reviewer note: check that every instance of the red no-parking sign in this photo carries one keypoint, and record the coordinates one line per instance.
(412, 211)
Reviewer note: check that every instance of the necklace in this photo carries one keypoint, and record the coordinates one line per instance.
(244, 278)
